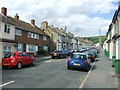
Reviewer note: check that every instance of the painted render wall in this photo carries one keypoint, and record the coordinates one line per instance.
(6, 44)
(1, 51)
(118, 48)
(11, 35)
(111, 44)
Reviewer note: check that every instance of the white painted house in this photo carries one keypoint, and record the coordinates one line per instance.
(118, 34)
(113, 36)
(59, 38)
(7, 33)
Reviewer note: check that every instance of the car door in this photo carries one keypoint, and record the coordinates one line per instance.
(28, 59)
(21, 58)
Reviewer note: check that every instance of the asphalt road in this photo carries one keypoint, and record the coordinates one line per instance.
(46, 74)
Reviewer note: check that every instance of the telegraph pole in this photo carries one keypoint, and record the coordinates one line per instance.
(99, 38)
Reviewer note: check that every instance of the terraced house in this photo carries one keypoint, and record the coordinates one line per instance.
(7, 33)
(50, 31)
(59, 38)
(29, 37)
(113, 34)
(24, 36)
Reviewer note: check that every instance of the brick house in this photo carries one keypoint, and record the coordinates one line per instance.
(29, 37)
(17, 35)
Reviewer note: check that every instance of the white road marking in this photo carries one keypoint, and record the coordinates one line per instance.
(84, 80)
(7, 83)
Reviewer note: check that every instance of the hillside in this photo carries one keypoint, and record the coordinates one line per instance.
(95, 39)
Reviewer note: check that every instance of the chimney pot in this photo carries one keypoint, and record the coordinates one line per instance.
(4, 11)
(16, 16)
(33, 22)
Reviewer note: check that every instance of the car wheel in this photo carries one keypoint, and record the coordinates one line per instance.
(52, 57)
(19, 65)
(88, 68)
(68, 68)
(33, 63)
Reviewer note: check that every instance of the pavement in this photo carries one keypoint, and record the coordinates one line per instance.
(42, 58)
(103, 75)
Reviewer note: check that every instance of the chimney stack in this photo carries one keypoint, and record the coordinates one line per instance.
(44, 24)
(4, 11)
(33, 22)
(16, 16)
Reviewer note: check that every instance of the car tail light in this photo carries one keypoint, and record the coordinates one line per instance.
(85, 61)
(12, 60)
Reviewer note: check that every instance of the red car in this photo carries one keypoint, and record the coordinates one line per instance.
(17, 59)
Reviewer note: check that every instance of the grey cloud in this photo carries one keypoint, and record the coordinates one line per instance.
(75, 17)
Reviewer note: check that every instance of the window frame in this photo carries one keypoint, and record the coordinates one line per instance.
(33, 35)
(20, 48)
(45, 38)
(7, 50)
(7, 28)
(18, 32)
(31, 48)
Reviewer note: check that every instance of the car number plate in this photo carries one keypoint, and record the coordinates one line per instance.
(6, 64)
(76, 64)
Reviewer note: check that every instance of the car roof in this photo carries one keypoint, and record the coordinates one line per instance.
(80, 53)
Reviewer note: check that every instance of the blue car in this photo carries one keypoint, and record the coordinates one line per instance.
(79, 61)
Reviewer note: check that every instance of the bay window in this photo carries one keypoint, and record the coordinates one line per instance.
(31, 48)
(7, 49)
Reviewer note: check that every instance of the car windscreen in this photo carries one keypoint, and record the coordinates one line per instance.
(78, 56)
(9, 55)
(57, 51)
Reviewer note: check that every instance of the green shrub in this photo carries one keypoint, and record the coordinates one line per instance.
(41, 51)
(106, 53)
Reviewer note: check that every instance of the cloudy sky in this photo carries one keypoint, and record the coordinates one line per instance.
(82, 17)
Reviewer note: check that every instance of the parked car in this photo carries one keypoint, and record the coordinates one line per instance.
(90, 55)
(79, 61)
(58, 54)
(68, 52)
(94, 51)
(17, 59)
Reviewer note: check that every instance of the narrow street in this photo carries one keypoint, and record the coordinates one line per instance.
(47, 74)
(53, 73)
